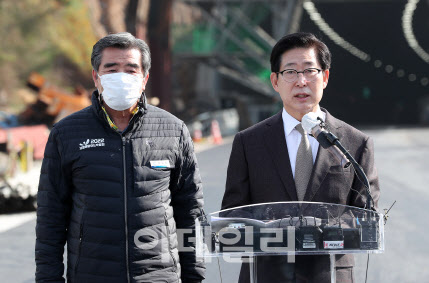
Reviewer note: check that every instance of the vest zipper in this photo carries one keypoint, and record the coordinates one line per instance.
(79, 250)
(126, 209)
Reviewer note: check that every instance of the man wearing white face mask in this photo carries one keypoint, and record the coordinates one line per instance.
(119, 178)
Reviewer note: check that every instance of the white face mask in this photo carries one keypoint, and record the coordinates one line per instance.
(121, 90)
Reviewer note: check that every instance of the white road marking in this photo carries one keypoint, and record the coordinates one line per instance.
(10, 221)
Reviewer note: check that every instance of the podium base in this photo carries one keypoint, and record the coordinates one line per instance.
(253, 270)
(333, 270)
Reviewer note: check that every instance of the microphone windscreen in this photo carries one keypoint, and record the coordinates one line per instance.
(309, 121)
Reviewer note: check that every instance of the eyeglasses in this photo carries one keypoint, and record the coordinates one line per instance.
(291, 75)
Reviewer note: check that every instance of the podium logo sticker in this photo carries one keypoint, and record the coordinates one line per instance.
(333, 245)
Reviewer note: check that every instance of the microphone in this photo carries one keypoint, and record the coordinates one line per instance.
(312, 124)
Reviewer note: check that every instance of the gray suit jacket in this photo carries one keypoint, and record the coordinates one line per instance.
(259, 171)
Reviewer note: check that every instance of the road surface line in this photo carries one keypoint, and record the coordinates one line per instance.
(10, 221)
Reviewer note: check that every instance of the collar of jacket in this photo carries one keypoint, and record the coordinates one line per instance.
(332, 124)
(100, 113)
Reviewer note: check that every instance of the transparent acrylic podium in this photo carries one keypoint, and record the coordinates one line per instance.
(289, 228)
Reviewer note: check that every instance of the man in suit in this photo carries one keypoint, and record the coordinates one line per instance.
(267, 161)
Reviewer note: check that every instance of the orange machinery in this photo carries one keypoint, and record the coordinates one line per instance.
(52, 104)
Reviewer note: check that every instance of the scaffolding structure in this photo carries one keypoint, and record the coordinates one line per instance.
(229, 43)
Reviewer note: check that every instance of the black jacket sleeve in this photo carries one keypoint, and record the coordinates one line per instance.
(237, 189)
(187, 202)
(53, 205)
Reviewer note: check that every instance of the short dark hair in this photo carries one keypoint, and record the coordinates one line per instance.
(300, 40)
(122, 40)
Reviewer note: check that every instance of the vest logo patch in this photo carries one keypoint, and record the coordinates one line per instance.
(150, 143)
(91, 143)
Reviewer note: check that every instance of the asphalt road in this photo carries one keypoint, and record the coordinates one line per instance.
(401, 157)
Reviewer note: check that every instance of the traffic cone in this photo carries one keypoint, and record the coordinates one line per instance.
(198, 135)
(215, 131)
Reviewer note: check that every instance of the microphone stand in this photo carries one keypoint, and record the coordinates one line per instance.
(358, 169)
(369, 231)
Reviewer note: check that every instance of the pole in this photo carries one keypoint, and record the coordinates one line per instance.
(160, 18)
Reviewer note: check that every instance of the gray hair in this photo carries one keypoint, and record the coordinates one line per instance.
(122, 40)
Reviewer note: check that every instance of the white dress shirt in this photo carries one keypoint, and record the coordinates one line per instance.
(293, 137)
